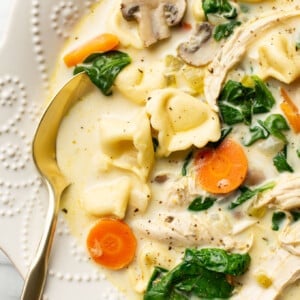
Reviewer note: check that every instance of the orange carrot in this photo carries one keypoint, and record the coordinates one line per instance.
(223, 169)
(111, 243)
(100, 43)
(290, 110)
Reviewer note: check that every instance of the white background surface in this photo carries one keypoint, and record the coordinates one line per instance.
(10, 281)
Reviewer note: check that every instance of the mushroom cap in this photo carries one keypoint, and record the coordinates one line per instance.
(201, 48)
(154, 17)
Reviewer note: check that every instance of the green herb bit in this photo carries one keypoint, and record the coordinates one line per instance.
(224, 30)
(298, 153)
(186, 163)
(280, 161)
(277, 219)
(103, 68)
(247, 194)
(297, 46)
(200, 203)
(219, 7)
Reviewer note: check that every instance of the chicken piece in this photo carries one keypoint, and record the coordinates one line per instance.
(189, 230)
(234, 50)
(289, 238)
(279, 268)
(285, 195)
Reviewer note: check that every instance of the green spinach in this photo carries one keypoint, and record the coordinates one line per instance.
(258, 132)
(280, 161)
(224, 30)
(196, 276)
(103, 68)
(247, 194)
(200, 203)
(235, 103)
(238, 103)
(219, 7)
(218, 260)
(277, 219)
(274, 125)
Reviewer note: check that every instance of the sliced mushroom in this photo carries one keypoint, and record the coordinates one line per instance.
(201, 48)
(154, 17)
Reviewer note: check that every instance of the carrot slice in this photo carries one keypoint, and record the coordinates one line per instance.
(290, 110)
(101, 43)
(111, 243)
(223, 169)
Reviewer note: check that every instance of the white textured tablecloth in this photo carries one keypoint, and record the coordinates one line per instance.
(10, 280)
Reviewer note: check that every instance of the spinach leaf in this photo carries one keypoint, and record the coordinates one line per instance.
(103, 68)
(275, 124)
(247, 193)
(201, 275)
(258, 132)
(264, 100)
(277, 219)
(220, 7)
(199, 204)
(218, 260)
(218, 287)
(186, 163)
(238, 102)
(235, 103)
(280, 161)
(224, 30)
(189, 280)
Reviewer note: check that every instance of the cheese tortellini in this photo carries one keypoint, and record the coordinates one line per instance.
(137, 80)
(181, 120)
(127, 144)
(126, 31)
(279, 59)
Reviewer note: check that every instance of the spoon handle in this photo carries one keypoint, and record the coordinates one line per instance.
(37, 274)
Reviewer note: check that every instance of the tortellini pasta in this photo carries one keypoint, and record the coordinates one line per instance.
(137, 80)
(103, 199)
(181, 120)
(279, 59)
(126, 31)
(127, 144)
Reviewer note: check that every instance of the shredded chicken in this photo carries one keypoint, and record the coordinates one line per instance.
(279, 262)
(285, 195)
(188, 230)
(289, 238)
(235, 48)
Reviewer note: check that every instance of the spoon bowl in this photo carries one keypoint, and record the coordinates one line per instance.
(44, 156)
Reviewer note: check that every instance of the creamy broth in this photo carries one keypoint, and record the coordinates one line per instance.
(80, 158)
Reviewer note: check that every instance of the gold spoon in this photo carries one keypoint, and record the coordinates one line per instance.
(44, 155)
